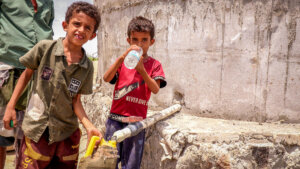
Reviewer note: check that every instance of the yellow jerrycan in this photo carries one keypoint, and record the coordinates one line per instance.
(105, 156)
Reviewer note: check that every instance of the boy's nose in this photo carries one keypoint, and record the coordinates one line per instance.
(81, 28)
(140, 44)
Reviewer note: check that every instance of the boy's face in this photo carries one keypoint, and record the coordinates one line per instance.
(80, 28)
(141, 39)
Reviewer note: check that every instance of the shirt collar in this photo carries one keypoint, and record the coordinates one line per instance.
(60, 52)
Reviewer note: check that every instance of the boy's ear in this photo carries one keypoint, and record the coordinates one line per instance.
(128, 40)
(93, 35)
(65, 25)
(152, 41)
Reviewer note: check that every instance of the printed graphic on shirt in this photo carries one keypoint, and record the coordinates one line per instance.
(136, 100)
(46, 73)
(74, 85)
(125, 90)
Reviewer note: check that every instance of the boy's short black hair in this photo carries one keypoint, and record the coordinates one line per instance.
(141, 24)
(86, 8)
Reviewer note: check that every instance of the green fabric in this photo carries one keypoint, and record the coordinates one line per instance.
(8, 87)
(21, 28)
(54, 87)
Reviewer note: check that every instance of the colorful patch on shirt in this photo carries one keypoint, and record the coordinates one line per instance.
(74, 85)
(46, 73)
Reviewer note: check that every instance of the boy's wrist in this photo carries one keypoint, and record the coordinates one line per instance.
(11, 105)
(122, 58)
(143, 72)
(87, 123)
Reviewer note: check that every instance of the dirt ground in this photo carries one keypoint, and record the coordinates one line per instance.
(10, 160)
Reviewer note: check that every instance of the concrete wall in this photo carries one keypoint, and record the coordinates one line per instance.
(234, 59)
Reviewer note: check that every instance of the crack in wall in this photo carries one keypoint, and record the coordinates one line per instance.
(269, 32)
(222, 53)
(291, 38)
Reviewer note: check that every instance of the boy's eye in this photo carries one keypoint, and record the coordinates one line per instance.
(134, 39)
(76, 23)
(88, 28)
(145, 40)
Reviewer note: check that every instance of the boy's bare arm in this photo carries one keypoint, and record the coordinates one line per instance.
(10, 113)
(152, 84)
(80, 113)
(111, 72)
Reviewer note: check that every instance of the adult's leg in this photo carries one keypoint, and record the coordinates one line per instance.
(4, 142)
(2, 157)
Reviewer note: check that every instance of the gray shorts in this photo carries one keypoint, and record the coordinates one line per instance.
(6, 141)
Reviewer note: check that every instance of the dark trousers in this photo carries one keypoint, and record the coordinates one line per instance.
(131, 149)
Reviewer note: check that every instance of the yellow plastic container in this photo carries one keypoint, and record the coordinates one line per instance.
(91, 146)
(103, 142)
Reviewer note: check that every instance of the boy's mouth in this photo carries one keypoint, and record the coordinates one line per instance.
(79, 37)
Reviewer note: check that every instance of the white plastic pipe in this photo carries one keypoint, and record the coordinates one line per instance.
(134, 128)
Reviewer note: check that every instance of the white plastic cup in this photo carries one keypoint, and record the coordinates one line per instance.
(132, 58)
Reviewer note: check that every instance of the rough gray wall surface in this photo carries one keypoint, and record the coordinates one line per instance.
(234, 59)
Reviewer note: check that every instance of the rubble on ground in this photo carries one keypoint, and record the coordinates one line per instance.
(184, 141)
